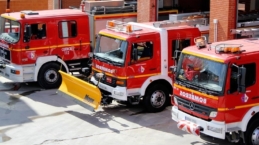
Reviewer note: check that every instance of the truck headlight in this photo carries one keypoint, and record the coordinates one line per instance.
(118, 93)
(213, 114)
(214, 129)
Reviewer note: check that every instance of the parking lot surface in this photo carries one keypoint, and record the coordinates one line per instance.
(32, 116)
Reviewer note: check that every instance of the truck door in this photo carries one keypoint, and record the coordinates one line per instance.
(37, 45)
(144, 62)
(68, 40)
(235, 99)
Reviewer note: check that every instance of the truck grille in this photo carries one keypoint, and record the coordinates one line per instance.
(195, 107)
(5, 54)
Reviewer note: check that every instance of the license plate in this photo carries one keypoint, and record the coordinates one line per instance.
(190, 119)
(108, 79)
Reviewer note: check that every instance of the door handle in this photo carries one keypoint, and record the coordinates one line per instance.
(76, 48)
(45, 51)
(152, 69)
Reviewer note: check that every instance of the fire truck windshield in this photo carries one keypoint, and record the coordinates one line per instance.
(9, 30)
(201, 74)
(111, 50)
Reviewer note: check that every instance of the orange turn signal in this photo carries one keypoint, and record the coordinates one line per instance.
(22, 15)
(111, 24)
(120, 82)
(128, 28)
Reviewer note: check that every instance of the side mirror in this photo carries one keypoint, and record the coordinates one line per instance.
(27, 34)
(173, 69)
(135, 54)
(242, 79)
(176, 52)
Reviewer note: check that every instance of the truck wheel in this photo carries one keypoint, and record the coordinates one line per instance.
(156, 98)
(252, 133)
(49, 76)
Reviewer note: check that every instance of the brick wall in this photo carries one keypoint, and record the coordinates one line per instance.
(67, 3)
(225, 12)
(18, 5)
(146, 10)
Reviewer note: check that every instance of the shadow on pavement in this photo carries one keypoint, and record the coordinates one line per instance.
(49, 97)
(136, 114)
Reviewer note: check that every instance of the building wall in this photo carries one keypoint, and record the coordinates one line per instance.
(225, 12)
(67, 3)
(146, 10)
(18, 5)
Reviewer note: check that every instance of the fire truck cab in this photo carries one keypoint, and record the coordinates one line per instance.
(131, 63)
(215, 90)
(34, 45)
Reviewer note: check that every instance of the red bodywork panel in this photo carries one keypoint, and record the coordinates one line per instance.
(70, 48)
(231, 107)
(137, 73)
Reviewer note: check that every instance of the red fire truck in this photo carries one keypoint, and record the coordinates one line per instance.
(34, 45)
(215, 89)
(131, 64)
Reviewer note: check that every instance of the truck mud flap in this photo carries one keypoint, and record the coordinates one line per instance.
(81, 92)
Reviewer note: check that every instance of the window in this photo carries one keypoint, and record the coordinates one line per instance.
(179, 45)
(250, 76)
(67, 29)
(38, 31)
(144, 50)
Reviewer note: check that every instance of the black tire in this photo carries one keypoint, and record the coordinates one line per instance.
(252, 133)
(49, 77)
(156, 98)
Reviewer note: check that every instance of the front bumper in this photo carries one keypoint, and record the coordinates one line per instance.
(118, 93)
(7, 73)
(212, 128)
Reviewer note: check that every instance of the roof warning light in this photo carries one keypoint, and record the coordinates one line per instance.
(228, 48)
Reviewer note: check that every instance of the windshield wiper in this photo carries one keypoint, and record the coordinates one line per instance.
(208, 91)
(99, 58)
(187, 84)
(113, 62)
(200, 88)
(6, 38)
(108, 60)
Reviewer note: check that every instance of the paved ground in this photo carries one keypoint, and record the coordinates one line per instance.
(31, 116)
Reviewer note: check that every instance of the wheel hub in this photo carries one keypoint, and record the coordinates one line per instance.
(158, 99)
(255, 136)
(51, 76)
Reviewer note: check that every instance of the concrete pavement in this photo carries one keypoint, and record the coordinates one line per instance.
(32, 116)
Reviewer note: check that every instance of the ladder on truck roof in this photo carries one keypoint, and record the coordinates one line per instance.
(246, 31)
(194, 22)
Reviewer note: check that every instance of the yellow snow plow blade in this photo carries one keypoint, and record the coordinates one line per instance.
(79, 91)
